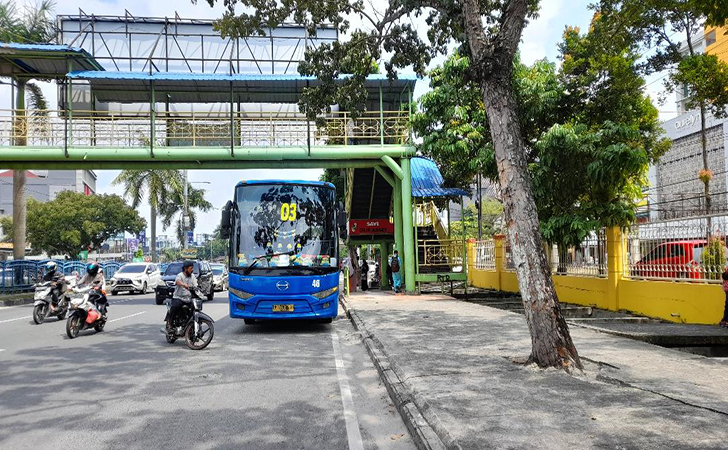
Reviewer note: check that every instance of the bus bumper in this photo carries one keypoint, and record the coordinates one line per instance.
(304, 307)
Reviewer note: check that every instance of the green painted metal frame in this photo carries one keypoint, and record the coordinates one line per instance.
(432, 277)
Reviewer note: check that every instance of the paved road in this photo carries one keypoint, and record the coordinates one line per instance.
(265, 386)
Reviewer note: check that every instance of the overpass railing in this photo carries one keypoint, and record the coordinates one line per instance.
(200, 129)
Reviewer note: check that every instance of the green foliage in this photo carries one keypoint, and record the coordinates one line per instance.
(491, 221)
(388, 30)
(338, 178)
(154, 184)
(706, 77)
(33, 25)
(173, 209)
(714, 258)
(73, 222)
(588, 151)
(6, 225)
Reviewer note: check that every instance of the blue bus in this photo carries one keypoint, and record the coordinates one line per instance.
(284, 250)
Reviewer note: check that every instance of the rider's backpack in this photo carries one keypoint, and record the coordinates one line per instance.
(395, 265)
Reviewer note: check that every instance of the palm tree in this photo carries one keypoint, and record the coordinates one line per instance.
(175, 209)
(33, 25)
(159, 186)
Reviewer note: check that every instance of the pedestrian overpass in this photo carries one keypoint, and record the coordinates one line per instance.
(202, 120)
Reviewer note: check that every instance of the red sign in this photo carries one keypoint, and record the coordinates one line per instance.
(363, 227)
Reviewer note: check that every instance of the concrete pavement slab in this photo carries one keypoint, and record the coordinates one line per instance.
(454, 361)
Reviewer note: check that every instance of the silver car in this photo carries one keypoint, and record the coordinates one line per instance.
(220, 277)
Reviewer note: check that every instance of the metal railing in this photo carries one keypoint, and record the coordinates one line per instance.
(21, 275)
(485, 255)
(201, 129)
(679, 250)
(588, 259)
(445, 255)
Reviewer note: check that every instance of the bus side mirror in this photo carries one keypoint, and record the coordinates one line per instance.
(225, 224)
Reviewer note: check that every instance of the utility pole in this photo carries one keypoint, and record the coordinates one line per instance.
(480, 210)
(185, 216)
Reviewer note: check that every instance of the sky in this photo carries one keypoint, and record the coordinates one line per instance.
(540, 40)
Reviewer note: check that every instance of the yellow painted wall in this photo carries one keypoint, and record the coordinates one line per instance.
(720, 47)
(674, 301)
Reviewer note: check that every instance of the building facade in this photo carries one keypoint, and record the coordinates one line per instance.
(44, 185)
(676, 190)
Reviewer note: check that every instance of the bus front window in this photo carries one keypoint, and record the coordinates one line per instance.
(290, 226)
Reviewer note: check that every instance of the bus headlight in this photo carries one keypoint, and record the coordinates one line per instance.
(240, 294)
(328, 292)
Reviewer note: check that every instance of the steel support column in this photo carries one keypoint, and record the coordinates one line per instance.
(398, 239)
(152, 119)
(407, 231)
(381, 116)
(69, 109)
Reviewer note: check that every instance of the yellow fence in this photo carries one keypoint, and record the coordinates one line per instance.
(676, 301)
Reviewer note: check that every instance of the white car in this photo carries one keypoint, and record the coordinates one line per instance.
(135, 277)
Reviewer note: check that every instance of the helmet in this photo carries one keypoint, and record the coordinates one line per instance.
(51, 266)
(187, 264)
(92, 269)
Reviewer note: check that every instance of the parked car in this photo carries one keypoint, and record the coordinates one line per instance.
(675, 259)
(220, 277)
(202, 271)
(135, 277)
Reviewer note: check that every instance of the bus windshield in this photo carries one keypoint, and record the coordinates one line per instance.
(294, 222)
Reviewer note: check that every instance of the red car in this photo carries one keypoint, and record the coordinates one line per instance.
(675, 259)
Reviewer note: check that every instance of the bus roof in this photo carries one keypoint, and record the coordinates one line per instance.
(299, 182)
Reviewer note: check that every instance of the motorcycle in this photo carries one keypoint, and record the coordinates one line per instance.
(86, 311)
(43, 305)
(191, 323)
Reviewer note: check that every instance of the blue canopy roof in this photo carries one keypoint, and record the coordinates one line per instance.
(427, 180)
(43, 60)
(178, 87)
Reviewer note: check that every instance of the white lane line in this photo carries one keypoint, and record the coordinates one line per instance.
(2, 349)
(352, 423)
(126, 317)
(17, 318)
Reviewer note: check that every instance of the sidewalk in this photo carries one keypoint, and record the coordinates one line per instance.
(448, 365)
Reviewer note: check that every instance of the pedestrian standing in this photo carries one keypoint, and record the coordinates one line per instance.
(395, 263)
(724, 321)
(364, 275)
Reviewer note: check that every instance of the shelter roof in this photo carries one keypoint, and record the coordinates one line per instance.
(135, 87)
(427, 180)
(43, 61)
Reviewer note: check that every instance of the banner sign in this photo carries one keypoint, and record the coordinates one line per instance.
(189, 253)
(367, 227)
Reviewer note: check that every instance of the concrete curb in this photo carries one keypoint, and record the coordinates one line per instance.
(24, 300)
(404, 397)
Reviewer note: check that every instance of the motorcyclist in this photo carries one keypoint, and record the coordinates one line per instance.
(59, 282)
(95, 277)
(184, 284)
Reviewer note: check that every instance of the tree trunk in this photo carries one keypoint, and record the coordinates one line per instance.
(706, 181)
(550, 338)
(153, 244)
(19, 205)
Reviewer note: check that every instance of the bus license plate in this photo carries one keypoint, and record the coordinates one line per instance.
(282, 308)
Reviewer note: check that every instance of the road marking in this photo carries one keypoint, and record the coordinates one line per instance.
(2, 349)
(17, 318)
(352, 423)
(126, 317)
